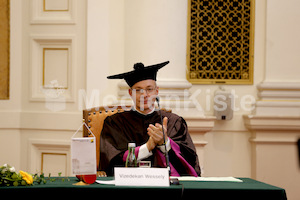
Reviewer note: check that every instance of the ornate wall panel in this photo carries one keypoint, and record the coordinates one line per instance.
(53, 11)
(56, 5)
(54, 163)
(52, 68)
(220, 41)
(55, 67)
(49, 156)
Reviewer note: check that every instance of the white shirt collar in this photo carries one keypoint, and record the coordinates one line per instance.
(134, 108)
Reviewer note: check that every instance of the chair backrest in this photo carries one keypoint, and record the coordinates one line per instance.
(94, 118)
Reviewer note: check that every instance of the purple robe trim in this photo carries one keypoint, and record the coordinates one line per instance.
(191, 171)
(162, 159)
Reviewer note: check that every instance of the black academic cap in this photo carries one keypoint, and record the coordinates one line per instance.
(139, 73)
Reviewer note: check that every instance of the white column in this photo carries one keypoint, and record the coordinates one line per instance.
(280, 91)
(105, 49)
(282, 41)
(156, 31)
(275, 122)
(97, 49)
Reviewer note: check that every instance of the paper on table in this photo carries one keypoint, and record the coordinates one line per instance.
(185, 178)
(192, 178)
(110, 182)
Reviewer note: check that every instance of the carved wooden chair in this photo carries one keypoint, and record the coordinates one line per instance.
(94, 118)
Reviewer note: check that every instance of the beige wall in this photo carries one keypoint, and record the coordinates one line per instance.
(275, 123)
(108, 37)
(36, 122)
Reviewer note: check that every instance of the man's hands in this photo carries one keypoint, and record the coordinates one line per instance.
(156, 134)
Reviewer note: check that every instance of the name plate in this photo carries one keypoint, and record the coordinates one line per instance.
(134, 176)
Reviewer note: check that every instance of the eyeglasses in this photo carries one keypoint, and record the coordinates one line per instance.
(141, 91)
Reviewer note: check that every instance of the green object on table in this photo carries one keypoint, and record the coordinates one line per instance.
(248, 189)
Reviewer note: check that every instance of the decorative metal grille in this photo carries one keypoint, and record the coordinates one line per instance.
(220, 43)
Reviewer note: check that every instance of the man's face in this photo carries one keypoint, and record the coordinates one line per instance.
(143, 94)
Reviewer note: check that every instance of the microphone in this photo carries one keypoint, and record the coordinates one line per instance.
(173, 181)
(162, 126)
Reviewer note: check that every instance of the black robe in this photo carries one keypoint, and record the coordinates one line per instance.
(131, 126)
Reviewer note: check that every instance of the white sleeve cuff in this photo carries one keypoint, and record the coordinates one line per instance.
(162, 147)
(143, 153)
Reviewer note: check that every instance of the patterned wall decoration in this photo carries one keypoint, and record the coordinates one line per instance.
(220, 41)
(4, 49)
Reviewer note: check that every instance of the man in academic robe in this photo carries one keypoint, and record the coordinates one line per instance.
(142, 125)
